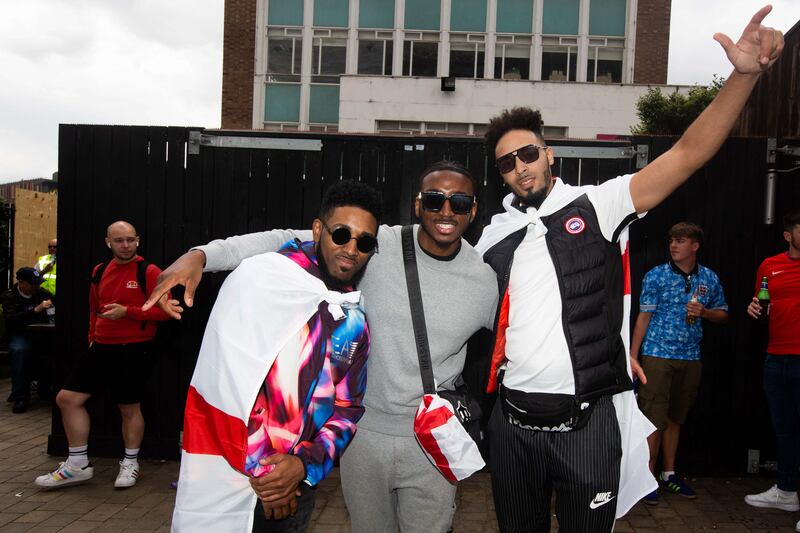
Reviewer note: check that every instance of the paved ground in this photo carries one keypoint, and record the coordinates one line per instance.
(97, 507)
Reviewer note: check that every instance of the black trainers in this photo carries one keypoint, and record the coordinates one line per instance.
(20, 406)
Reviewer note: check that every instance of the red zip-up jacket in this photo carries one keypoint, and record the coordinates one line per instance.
(119, 285)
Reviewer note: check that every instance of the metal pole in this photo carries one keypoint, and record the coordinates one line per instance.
(769, 199)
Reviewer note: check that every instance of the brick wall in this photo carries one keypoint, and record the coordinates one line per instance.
(652, 41)
(238, 59)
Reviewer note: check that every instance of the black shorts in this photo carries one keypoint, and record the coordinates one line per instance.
(122, 369)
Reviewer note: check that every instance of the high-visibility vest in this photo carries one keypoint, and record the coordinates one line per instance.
(49, 283)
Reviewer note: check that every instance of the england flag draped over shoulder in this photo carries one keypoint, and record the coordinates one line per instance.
(261, 305)
(635, 480)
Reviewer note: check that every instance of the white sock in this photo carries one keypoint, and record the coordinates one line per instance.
(78, 456)
(131, 456)
(665, 475)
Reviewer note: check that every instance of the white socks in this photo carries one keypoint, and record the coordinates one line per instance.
(131, 456)
(78, 457)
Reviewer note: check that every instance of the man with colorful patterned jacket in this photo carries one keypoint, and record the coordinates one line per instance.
(280, 378)
(675, 297)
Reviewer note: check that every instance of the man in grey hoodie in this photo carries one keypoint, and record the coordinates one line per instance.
(386, 478)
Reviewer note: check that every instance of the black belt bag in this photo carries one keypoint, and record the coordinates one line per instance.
(537, 411)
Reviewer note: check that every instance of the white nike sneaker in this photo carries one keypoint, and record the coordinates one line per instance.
(128, 474)
(774, 498)
(65, 475)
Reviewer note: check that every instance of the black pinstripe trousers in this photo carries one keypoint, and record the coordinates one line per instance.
(582, 466)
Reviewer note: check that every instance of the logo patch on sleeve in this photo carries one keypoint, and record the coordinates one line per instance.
(132, 285)
(575, 225)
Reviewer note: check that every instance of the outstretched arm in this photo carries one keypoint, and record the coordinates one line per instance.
(755, 51)
(217, 255)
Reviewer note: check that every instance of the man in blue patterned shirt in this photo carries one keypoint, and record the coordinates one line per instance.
(675, 297)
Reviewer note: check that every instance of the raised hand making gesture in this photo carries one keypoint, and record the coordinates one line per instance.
(758, 47)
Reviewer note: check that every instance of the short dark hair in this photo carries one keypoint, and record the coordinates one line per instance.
(351, 193)
(790, 220)
(517, 118)
(451, 166)
(686, 229)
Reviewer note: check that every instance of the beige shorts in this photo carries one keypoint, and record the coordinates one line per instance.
(670, 391)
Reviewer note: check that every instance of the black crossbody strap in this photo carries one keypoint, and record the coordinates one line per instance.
(417, 313)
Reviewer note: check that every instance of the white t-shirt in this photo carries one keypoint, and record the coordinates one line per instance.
(536, 348)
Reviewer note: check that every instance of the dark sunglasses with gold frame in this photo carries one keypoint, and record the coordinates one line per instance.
(342, 235)
(527, 154)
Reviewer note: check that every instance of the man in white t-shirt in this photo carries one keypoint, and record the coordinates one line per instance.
(559, 355)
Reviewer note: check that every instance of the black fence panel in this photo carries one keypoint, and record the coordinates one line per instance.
(178, 197)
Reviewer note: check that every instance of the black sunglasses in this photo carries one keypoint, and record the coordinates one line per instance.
(527, 154)
(342, 235)
(460, 203)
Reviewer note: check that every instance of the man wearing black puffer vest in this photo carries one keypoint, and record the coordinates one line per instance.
(566, 419)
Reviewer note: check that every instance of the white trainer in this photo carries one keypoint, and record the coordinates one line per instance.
(128, 474)
(774, 498)
(65, 475)
(797, 527)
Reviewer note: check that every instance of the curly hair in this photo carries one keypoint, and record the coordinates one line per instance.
(451, 166)
(351, 193)
(517, 118)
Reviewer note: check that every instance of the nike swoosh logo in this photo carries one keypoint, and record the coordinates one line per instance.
(774, 273)
(595, 504)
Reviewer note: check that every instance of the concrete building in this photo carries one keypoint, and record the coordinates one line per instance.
(440, 66)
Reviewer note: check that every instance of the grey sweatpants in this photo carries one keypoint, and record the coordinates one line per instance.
(388, 482)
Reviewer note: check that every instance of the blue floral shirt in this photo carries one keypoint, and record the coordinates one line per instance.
(665, 292)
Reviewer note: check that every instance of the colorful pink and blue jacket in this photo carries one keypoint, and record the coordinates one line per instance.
(312, 396)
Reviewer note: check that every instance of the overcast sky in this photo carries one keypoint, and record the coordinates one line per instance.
(157, 62)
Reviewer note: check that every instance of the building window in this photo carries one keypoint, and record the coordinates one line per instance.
(429, 128)
(283, 58)
(420, 57)
(604, 63)
(466, 55)
(396, 126)
(328, 56)
(446, 128)
(607, 18)
(549, 132)
(422, 14)
(282, 102)
(285, 13)
(559, 58)
(376, 14)
(561, 17)
(278, 126)
(330, 13)
(515, 16)
(512, 57)
(468, 15)
(375, 56)
(324, 104)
